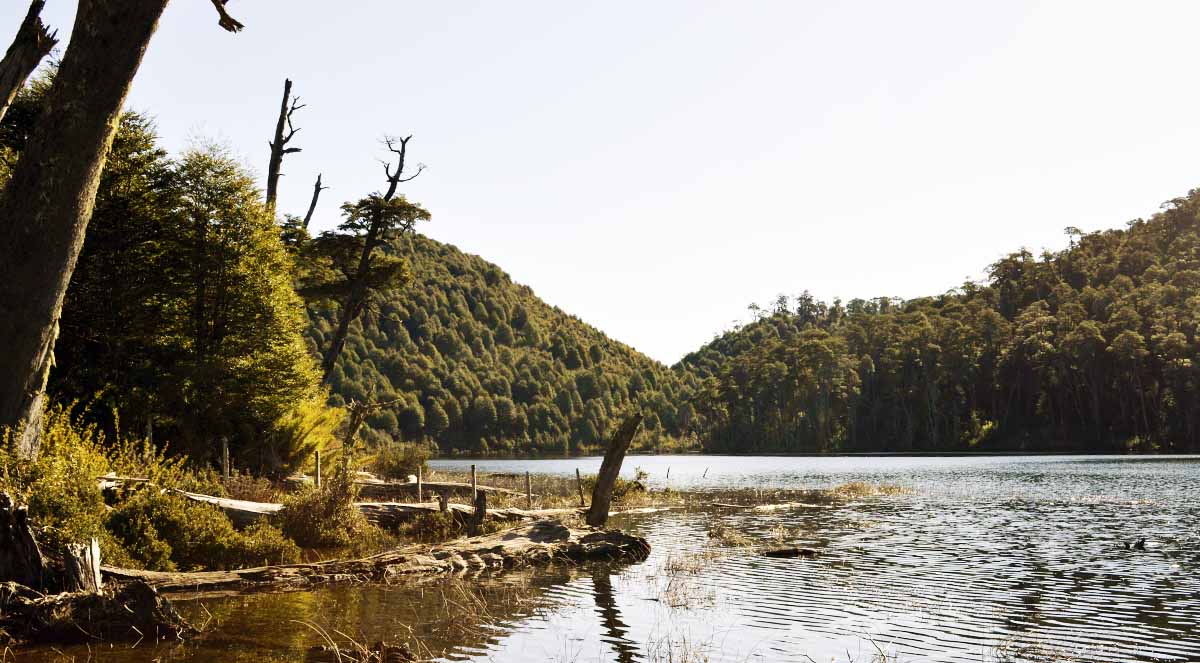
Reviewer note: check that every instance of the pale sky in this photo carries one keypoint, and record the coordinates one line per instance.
(655, 166)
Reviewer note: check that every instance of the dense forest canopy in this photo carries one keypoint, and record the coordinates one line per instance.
(481, 365)
(1092, 348)
(184, 317)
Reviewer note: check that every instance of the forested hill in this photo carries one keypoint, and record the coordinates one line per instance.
(482, 365)
(1091, 348)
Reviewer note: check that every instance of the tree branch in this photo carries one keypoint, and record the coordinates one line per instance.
(32, 43)
(226, 21)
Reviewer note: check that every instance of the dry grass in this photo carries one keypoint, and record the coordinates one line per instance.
(558, 492)
(727, 536)
(861, 489)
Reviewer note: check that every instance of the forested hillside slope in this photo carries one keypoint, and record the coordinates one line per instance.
(1090, 348)
(481, 365)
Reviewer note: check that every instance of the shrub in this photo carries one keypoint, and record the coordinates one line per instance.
(324, 517)
(165, 532)
(400, 459)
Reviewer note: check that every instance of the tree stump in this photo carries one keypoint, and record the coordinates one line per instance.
(597, 515)
(81, 567)
(21, 559)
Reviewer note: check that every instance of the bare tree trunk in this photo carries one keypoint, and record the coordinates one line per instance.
(45, 208)
(283, 134)
(597, 515)
(312, 206)
(32, 43)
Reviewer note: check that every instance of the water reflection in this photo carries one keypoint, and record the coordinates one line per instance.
(1025, 555)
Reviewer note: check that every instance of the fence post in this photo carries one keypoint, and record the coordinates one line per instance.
(420, 480)
(579, 480)
(474, 484)
(528, 491)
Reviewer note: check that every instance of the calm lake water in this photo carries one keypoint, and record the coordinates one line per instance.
(1016, 553)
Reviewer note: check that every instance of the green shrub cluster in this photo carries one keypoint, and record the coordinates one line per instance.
(149, 528)
(399, 460)
(325, 517)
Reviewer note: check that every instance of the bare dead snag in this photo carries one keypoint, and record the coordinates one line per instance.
(284, 132)
(597, 515)
(312, 206)
(32, 43)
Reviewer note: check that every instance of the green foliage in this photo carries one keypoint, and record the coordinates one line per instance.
(324, 517)
(398, 460)
(151, 529)
(180, 313)
(479, 364)
(163, 531)
(1093, 348)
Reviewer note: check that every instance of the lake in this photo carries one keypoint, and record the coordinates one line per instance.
(981, 558)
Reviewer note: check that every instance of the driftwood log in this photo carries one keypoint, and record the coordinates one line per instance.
(610, 469)
(540, 543)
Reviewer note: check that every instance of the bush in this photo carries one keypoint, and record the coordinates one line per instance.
(324, 517)
(399, 460)
(165, 532)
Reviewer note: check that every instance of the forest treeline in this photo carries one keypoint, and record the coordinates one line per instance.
(1092, 348)
(200, 316)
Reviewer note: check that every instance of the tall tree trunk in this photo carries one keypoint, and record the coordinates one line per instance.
(32, 43)
(45, 208)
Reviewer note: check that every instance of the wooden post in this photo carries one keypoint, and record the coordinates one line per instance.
(81, 567)
(528, 492)
(443, 502)
(474, 484)
(318, 468)
(668, 473)
(579, 480)
(477, 518)
(225, 458)
(597, 515)
(420, 480)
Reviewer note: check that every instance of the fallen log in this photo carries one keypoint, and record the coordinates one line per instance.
(790, 551)
(540, 543)
(387, 489)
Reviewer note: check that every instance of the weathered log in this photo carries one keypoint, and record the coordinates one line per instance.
(134, 611)
(790, 551)
(610, 468)
(389, 489)
(21, 560)
(81, 567)
(537, 544)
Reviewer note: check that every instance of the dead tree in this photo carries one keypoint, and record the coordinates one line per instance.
(32, 43)
(81, 567)
(284, 132)
(610, 469)
(379, 223)
(46, 206)
(312, 206)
